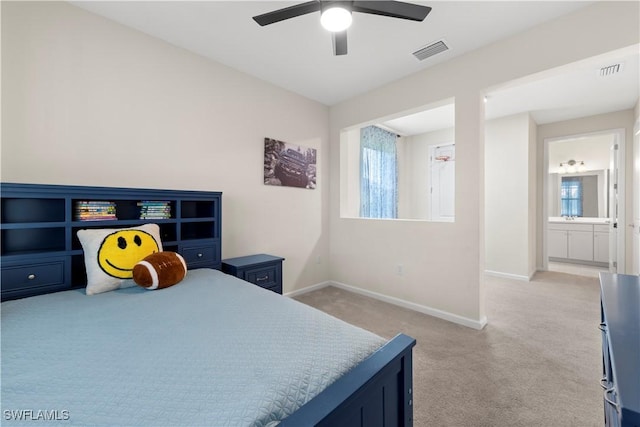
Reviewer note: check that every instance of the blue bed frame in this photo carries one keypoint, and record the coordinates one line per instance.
(376, 393)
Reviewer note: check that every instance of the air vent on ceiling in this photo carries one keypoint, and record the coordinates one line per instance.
(610, 70)
(430, 50)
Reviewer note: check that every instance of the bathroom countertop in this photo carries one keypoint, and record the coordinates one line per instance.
(579, 220)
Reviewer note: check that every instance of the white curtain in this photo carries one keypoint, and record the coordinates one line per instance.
(378, 173)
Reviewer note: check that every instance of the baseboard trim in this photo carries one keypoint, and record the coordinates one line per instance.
(509, 275)
(579, 262)
(306, 290)
(440, 314)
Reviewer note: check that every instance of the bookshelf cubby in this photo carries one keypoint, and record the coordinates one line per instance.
(40, 250)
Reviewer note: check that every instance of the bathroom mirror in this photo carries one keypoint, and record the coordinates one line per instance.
(583, 194)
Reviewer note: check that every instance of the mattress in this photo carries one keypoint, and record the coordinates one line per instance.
(212, 350)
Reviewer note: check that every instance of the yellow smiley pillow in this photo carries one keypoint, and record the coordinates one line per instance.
(111, 254)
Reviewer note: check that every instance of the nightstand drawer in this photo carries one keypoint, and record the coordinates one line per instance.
(264, 277)
(262, 270)
(198, 255)
(18, 277)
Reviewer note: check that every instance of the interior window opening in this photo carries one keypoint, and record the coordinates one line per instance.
(400, 168)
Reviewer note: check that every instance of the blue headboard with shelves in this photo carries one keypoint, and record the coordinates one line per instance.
(40, 251)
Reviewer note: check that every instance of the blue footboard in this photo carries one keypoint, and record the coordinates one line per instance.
(376, 393)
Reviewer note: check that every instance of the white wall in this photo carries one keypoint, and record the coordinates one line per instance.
(602, 122)
(509, 207)
(350, 173)
(443, 262)
(414, 195)
(88, 101)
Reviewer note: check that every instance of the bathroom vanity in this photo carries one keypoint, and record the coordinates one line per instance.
(578, 240)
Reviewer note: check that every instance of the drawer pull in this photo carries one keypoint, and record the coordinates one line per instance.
(261, 279)
(609, 401)
(31, 276)
(200, 255)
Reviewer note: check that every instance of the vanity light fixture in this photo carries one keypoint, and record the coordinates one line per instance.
(581, 167)
(570, 166)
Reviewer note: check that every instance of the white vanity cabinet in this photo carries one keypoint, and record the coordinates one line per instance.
(601, 243)
(578, 242)
(557, 243)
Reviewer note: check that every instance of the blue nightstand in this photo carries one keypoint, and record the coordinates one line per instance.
(262, 270)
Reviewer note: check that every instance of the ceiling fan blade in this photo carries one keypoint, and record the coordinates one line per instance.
(394, 9)
(339, 42)
(287, 12)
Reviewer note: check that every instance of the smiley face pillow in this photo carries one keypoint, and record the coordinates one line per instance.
(111, 254)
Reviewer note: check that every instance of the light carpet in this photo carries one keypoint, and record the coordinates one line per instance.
(536, 363)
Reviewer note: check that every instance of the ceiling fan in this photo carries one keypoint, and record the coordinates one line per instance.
(336, 15)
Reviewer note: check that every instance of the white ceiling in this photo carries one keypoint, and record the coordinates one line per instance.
(297, 55)
(572, 91)
(575, 90)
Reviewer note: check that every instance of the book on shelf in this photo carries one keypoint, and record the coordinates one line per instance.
(155, 209)
(95, 210)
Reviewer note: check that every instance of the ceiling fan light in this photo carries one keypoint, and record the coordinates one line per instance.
(336, 19)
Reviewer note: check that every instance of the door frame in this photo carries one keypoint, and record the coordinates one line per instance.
(619, 138)
(634, 268)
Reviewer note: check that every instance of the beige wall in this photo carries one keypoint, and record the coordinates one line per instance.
(602, 122)
(443, 262)
(510, 197)
(88, 101)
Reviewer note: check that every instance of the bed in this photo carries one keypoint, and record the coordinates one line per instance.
(212, 350)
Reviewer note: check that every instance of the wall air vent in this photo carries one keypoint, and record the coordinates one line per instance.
(610, 70)
(430, 50)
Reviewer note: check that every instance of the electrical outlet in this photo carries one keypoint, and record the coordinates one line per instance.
(399, 270)
(318, 259)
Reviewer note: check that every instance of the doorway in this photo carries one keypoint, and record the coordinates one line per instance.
(584, 203)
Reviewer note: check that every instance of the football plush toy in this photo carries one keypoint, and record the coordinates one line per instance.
(160, 270)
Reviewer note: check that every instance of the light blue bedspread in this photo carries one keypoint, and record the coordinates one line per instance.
(210, 351)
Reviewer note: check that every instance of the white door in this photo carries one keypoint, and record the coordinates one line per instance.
(635, 188)
(443, 172)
